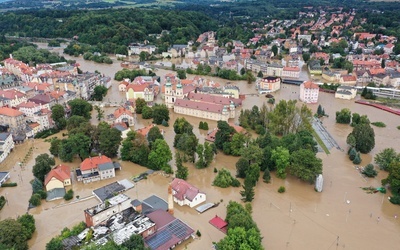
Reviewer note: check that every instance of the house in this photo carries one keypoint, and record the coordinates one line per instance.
(13, 118)
(274, 69)
(56, 181)
(12, 97)
(211, 134)
(346, 92)
(314, 67)
(149, 205)
(121, 126)
(144, 91)
(321, 55)
(291, 72)
(95, 169)
(170, 231)
(97, 214)
(186, 194)
(204, 110)
(269, 84)
(309, 92)
(388, 49)
(6, 145)
(349, 80)
(124, 115)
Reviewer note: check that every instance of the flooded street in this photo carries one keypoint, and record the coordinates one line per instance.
(300, 218)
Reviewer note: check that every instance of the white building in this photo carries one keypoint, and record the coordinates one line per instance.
(186, 194)
(346, 92)
(309, 92)
(6, 145)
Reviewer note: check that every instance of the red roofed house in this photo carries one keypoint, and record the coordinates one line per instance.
(219, 223)
(12, 97)
(95, 169)
(13, 118)
(348, 80)
(321, 55)
(124, 115)
(58, 177)
(292, 72)
(204, 110)
(388, 48)
(309, 92)
(186, 194)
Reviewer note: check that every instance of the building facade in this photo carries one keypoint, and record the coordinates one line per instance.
(309, 92)
(6, 145)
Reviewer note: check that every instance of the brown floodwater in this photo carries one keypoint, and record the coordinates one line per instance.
(300, 218)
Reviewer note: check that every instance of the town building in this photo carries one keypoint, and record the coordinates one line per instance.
(268, 84)
(314, 67)
(6, 145)
(204, 110)
(144, 91)
(309, 92)
(103, 211)
(136, 49)
(123, 115)
(186, 194)
(121, 126)
(12, 97)
(56, 181)
(95, 169)
(346, 92)
(15, 119)
(291, 72)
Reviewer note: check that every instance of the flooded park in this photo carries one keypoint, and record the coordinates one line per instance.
(342, 216)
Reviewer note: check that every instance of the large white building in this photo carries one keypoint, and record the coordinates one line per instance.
(6, 145)
(309, 92)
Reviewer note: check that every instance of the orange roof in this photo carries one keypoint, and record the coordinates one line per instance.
(34, 125)
(144, 131)
(93, 162)
(377, 71)
(291, 69)
(186, 81)
(61, 173)
(120, 111)
(137, 87)
(126, 83)
(349, 78)
(27, 105)
(310, 85)
(11, 93)
(10, 112)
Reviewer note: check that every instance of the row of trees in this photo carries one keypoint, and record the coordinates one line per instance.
(14, 234)
(131, 74)
(389, 160)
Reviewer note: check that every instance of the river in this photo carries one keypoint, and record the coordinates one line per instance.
(300, 218)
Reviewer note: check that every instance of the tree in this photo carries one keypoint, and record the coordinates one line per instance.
(153, 135)
(223, 134)
(58, 116)
(109, 140)
(100, 113)
(28, 223)
(43, 164)
(160, 155)
(357, 159)
(352, 154)
(274, 50)
(135, 242)
(181, 74)
(351, 140)
(143, 56)
(54, 244)
(260, 74)
(205, 155)
(81, 145)
(253, 173)
(237, 144)
(224, 179)
(252, 153)
(248, 190)
(281, 157)
(12, 235)
(80, 107)
(160, 113)
(67, 150)
(306, 57)
(239, 238)
(140, 103)
(181, 126)
(147, 112)
(369, 171)
(99, 92)
(75, 121)
(343, 116)
(242, 165)
(365, 138)
(393, 178)
(187, 143)
(305, 165)
(55, 146)
(267, 176)
(182, 172)
(35, 200)
(386, 157)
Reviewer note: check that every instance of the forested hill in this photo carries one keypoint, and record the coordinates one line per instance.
(109, 28)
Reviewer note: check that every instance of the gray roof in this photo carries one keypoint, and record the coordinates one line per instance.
(153, 203)
(54, 194)
(4, 136)
(346, 87)
(120, 127)
(343, 92)
(108, 191)
(3, 175)
(135, 202)
(106, 166)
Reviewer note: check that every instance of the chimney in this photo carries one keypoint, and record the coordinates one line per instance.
(170, 201)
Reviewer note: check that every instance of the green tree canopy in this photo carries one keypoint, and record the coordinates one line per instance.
(80, 107)
(305, 165)
(160, 155)
(281, 157)
(365, 138)
(43, 165)
(12, 235)
(99, 93)
(58, 116)
(160, 113)
(139, 104)
(385, 157)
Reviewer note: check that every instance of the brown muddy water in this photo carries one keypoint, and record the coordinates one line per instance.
(300, 218)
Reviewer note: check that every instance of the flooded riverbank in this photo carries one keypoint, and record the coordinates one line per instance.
(300, 218)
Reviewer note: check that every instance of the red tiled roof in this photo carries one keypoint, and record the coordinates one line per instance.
(211, 135)
(213, 99)
(11, 93)
(218, 222)
(61, 173)
(10, 112)
(120, 111)
(377, 71)
(349, 78)
(137, 87)
(204, 106)
(27, 105)
(34, 125)
(310, 85)
(297, 69)
(144, 131)
(183, 189)
(93, 162)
